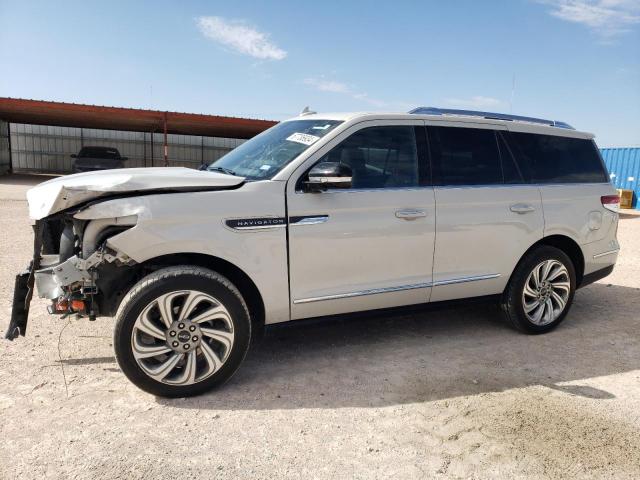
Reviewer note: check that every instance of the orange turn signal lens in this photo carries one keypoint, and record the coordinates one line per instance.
(77, 305)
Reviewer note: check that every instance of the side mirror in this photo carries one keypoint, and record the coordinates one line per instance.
(73, 155)
(328, 175)
(203, 167)
(124, 158)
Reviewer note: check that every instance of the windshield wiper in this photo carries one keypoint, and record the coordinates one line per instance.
(228, 171)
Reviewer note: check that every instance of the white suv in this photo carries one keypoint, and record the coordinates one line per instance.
(322, 215)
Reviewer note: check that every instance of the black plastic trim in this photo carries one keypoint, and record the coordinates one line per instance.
(592, 277)
(383, 312)
(424, 163)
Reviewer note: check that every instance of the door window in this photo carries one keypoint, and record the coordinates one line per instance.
(379, 157)
(464, 156)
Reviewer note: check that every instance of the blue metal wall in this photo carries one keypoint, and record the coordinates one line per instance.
(624, 168)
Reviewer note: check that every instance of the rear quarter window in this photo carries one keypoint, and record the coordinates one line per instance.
(553, 159)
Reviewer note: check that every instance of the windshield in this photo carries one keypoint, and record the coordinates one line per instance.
(264, 155)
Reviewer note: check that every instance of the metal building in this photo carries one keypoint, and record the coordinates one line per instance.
(41, 148)
(37, 136)
(624, 169)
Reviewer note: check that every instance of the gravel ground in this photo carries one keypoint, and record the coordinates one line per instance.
(451, 393)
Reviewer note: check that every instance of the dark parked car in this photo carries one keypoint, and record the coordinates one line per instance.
(89, 159)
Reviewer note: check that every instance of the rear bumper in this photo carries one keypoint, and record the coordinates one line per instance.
(592, 277)
(600, 255)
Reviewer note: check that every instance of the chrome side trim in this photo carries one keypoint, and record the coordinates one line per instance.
(329, 179)
(308, 220)
(604, 254)
(372, 291)
(261, 227)
(375, 291)
(465, 279)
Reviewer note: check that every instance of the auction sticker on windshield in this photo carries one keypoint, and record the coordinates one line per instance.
(303, 138)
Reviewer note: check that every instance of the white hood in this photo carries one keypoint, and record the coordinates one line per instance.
(64, 192)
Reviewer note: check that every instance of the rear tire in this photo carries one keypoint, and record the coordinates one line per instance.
(540, 292)
(181, 331)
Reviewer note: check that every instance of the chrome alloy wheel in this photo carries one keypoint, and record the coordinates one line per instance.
(182, 337)
(546, 292)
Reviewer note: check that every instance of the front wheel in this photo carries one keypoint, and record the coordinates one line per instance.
(540, 292)
(181, 331)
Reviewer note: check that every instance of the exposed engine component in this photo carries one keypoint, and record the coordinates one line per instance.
(75, 273)
(96, 231)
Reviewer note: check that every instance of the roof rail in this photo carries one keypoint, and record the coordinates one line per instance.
(488, 115)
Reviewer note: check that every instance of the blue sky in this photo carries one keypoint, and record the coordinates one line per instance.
(572, 60)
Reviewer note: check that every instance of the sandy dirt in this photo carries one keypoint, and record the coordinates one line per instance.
(450, 393)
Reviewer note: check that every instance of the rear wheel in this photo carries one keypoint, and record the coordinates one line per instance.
(181, 331)
(540, 292)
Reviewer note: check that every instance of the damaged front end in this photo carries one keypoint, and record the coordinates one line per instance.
(72, 264)
(76, 216)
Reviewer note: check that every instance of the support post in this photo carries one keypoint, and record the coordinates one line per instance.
(166, 146)
(9, 147)
(201, 151)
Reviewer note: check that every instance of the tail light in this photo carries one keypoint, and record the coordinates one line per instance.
(611, 202)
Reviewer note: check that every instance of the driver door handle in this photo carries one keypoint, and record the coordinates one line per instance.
(410, 214)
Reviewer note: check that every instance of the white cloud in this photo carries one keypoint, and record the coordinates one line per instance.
(476, 102)
(606, 18)
(373, 101)
(324, 85)
(327, 85)
(240, 37)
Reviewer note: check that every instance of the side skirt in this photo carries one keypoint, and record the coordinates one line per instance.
(384, 312)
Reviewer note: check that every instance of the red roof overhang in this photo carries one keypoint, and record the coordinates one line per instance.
(40, 112)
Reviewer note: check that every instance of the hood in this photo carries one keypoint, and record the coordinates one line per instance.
(64, 192)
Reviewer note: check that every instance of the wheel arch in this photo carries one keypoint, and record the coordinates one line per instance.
(236, 275)
(562, 242)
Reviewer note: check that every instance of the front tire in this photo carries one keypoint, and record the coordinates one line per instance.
(540, 291)
(181, 331)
